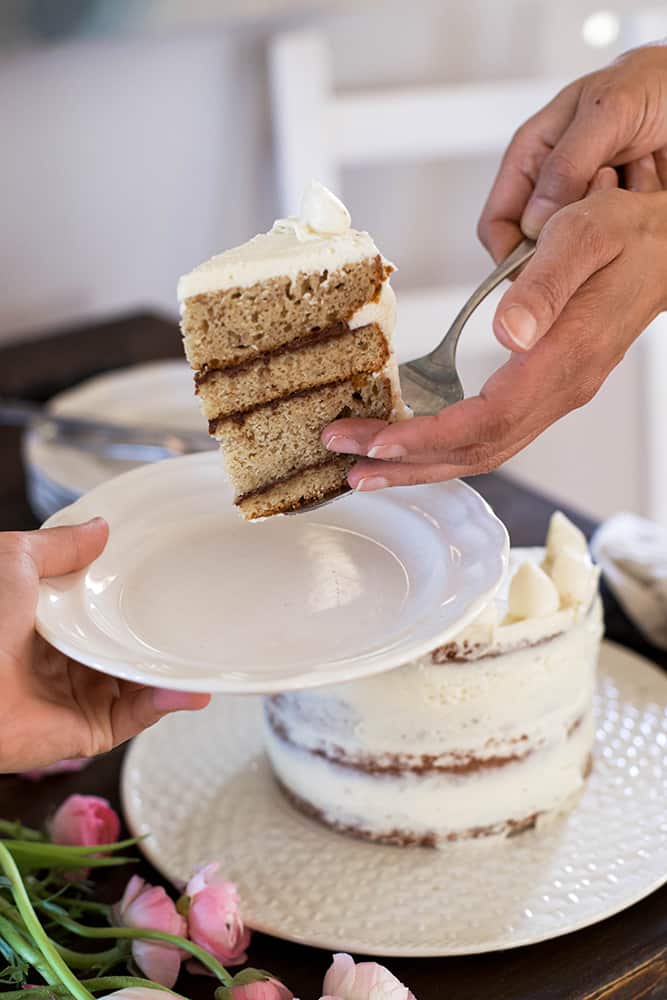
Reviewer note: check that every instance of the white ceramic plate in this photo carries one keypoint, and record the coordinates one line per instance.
(159, 394)
(187, 595)
(202, 789)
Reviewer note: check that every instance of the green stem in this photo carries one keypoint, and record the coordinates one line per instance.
(75, 959)
(102, 908)
(68, 849)
(35, 929)
(94, 985)
(138, 934)
(34, 855)
(93, 959)
(23, 947)
(18, 831)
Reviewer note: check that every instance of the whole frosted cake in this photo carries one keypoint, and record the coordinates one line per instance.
(488, 735)
(286, 333)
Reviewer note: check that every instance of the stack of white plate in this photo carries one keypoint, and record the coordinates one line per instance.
(159, 394)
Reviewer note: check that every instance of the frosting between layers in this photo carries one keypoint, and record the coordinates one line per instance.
(383, 313)
(292, 247)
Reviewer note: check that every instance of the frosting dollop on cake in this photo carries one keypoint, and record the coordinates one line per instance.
(322, 214)
(487, 735)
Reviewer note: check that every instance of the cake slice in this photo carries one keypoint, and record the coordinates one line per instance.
(285, 334)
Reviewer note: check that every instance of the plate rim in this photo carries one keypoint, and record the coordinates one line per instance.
(348, 668)
(152, 856)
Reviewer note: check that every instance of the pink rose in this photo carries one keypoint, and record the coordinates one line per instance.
(367, 981)
(84, 821)
(214, 916)
(270, 989)
(149, 906)
(60, 767)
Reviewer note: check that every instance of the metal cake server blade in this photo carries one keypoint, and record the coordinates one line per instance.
(107, 440)
(432, 382)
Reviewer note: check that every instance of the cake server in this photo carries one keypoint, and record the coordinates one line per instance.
(432, 382)
(108, 440)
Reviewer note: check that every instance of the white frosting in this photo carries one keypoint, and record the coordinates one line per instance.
(383, 313)
(320, 239)
(575, 577)
(532, 594)
(533, 604)
(322, 213)
(562, 534)
(438, 805)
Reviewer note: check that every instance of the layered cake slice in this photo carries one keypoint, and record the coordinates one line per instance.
(285, 334)
(489, 735)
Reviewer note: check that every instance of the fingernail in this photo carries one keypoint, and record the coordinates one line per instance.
(520, 326)
(537, 213)
(96, 520)
(387, 451)
(371, 483)
(170, 701)
(343, 444)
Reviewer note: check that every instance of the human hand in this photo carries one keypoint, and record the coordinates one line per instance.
(616, 116)
(51, 706)
(598, 278)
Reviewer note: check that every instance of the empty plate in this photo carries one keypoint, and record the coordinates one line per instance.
(187, 595)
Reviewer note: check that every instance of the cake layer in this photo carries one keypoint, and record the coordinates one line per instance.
(335, 353)
(307, 486)
(448, 716)
(229, 326)
(279, 438)
(435, 807)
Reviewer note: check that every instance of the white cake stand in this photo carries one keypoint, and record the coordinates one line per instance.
(202, 789)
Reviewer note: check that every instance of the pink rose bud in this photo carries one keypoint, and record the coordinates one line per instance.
(149, 906)
(269, 989)
(214, 916)
(84, 821)
(367, 981)
(60, 767)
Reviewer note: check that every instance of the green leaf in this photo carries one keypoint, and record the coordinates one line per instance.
(247, 976)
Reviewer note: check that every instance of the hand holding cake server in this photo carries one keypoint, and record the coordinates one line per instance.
(597, 279)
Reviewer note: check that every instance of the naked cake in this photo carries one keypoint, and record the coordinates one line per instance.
(285, 334)
(488, 735)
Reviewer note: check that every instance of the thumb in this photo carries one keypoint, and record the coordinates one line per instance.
(138, 708)
(56, 551)
(570, 250)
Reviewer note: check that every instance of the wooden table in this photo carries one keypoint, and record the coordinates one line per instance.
(624, 958)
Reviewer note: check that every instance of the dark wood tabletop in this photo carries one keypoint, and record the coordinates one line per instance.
(624, 957)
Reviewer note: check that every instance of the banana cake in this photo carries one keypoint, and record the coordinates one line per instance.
(285, 334)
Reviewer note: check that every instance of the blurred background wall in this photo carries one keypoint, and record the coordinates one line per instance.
(138, 140)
